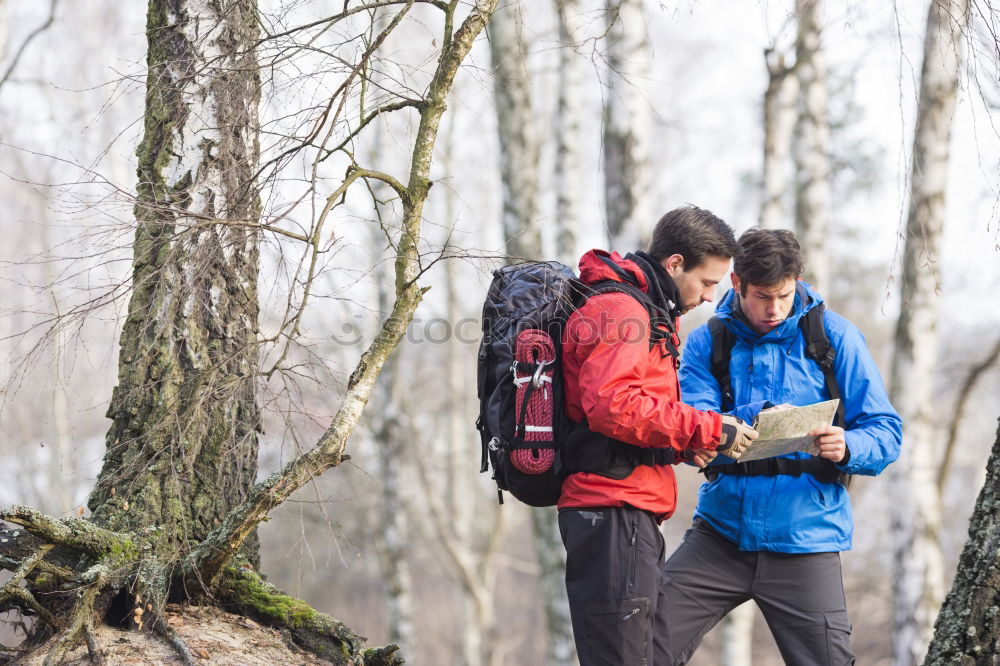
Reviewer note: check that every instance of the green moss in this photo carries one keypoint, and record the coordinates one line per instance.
(317, 632)
(272, 604)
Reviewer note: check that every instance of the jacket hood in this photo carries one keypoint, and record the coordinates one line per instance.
(806, 298)
(593, 269)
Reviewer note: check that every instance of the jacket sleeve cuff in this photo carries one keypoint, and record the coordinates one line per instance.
(749, 411)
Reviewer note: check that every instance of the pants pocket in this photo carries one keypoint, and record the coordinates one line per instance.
(838, 638)
(617, 632)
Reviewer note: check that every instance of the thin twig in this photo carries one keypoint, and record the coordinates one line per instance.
(27, 40)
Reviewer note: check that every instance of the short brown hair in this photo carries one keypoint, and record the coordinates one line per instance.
(694, 233)
(767, 257)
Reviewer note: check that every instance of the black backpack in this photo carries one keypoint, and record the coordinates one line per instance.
(530, 303)
(819, 349)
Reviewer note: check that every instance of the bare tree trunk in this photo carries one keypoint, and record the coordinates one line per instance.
(516, 128)
(183, 444)
(812, 149)
(915, 505)
(394, 541)
(627, 176)
(568, 132)
(967, 630)
(519, 155)
(390, 432)
(779, 122)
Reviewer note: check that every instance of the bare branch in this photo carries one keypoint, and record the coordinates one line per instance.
(212, 555)
(959, 412)
(73, 532)
(27, 40)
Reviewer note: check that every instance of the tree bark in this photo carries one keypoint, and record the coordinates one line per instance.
(915, 507)
(967, 630)
(517, 135)
(812, 143)
(569, 136)
(182, 447)
(627, 125)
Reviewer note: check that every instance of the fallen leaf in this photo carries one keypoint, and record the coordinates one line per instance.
(201, 652)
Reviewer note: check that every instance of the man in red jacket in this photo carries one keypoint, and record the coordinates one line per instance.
(620, 368)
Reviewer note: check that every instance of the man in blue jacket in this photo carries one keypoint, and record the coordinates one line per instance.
(760, 533)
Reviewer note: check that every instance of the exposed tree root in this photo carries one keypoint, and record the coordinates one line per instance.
(247, 593)
(125, 575)
(80, 623)
(93, 650)
(176, 642)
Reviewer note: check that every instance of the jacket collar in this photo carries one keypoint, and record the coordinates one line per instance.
(638, 268)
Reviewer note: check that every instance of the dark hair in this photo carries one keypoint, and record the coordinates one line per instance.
(694, 233)
(767, 257)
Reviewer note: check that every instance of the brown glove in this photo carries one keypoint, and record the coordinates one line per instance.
(736, 437)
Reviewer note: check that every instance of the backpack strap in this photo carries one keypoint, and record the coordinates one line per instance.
(722, 347)
(822, 469)
(661, 326)
(819, 349)
(587, 451)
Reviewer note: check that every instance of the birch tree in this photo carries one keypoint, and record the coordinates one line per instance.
(812, 143)
(627, 125)
(915, 506)
(517, 133)
(780, 109)
(569, 136)
(176, 505)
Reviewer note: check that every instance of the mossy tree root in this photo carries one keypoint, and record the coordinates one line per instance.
(245, 592)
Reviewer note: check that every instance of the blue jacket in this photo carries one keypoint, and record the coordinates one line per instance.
(784, 513)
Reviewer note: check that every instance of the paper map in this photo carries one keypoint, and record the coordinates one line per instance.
(786, 430)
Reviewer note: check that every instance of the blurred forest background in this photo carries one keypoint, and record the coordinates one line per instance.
(564, 111)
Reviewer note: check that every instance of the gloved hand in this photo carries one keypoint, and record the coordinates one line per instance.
(736, 437)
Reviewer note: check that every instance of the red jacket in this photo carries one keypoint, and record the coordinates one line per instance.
(626, 391)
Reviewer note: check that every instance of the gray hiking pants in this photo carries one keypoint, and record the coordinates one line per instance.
(614, 560)
(800, 594)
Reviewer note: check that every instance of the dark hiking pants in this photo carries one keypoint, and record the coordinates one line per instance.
(800, 595)
(614, 560)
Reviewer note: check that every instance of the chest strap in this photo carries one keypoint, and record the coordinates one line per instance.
(822, 469)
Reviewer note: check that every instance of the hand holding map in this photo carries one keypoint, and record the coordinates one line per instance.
(787, 430)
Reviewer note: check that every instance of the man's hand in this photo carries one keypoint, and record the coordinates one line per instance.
(830, 443)
(701, 457)
(736, 437)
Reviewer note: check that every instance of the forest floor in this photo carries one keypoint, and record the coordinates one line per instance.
(212, 635)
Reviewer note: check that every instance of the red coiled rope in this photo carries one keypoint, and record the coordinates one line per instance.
(534, 348)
